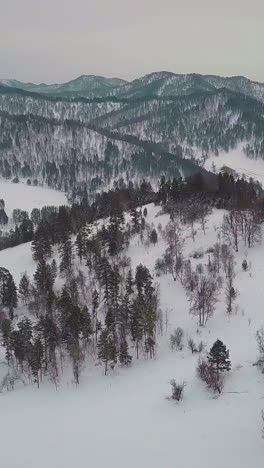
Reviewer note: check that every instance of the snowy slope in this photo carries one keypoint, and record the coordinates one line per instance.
(237, 160)
(124, 419)
(26, 197)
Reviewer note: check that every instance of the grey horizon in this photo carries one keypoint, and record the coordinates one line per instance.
(57, 40)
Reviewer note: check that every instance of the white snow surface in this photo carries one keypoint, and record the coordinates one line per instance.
(236, 159)
(26, 197)
(124, 419)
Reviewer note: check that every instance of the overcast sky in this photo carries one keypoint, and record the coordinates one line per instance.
(57, 40)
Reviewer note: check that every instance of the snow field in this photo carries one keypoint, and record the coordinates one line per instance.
(237, 160)
(26, 197)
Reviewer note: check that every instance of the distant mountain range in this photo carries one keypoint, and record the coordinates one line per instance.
(158, 84)
(96, 130)
(84, 86)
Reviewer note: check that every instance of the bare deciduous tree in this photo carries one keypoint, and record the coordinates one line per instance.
(175, 241)
(176, 339)
(207, 374)
(176, 390)
(230, 291)
(204, 297)
(192, 345)
(231, 228)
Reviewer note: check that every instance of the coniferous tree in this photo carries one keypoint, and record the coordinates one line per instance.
(26, 230)
(81, 243)
(41, 244)
(104, 276)
(125, 306)
(47, 331)
(124, 357)
(114, 234)
(143, 315)
(95, 305)
(153, 237)
(106, 349)
(218, 358)
(136, 323)
(6, 332)
(135, 218)
(114, 285)
(36, 359)
(44, 278)
(21, 341)
(35, 216)
(66, 252)
(75, 324)
(245, 265)
(10, 296)
(54, 269)
(8, 291)
(3, 217)
(129, 283)
(110, 318)
(87, 329)
(24, 288)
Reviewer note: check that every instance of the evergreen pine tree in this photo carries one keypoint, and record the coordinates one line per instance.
(218, 358)
(129, 283)
(81, 242)
(26, 230)
(8, 291)
(43, 278)
(66, 253)
(3, 217)
(6, 331)
(87, 329)
(114, 284)
(95, 305)
(136, 322)
(153, 237)
(114, 234)
(21, 341)
(135, 218)
(54, 269)
(48, 332)
(106, 349)
(41, 244)
(104, 276)
(35, 216)
(36, 359)
(124, 357)
(245, 265)
(24, 288)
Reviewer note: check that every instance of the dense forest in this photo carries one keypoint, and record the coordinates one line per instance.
(70, 142)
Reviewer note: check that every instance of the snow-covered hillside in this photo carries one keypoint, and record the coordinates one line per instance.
(237, 160)
(26, 197)
(124, 419)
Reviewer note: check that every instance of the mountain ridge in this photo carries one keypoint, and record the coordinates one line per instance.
(160, 124)
(158, 84)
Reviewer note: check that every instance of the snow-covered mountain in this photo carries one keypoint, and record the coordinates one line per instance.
(63, 153)
(192, 117)
(85, 85)
(158, 84)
